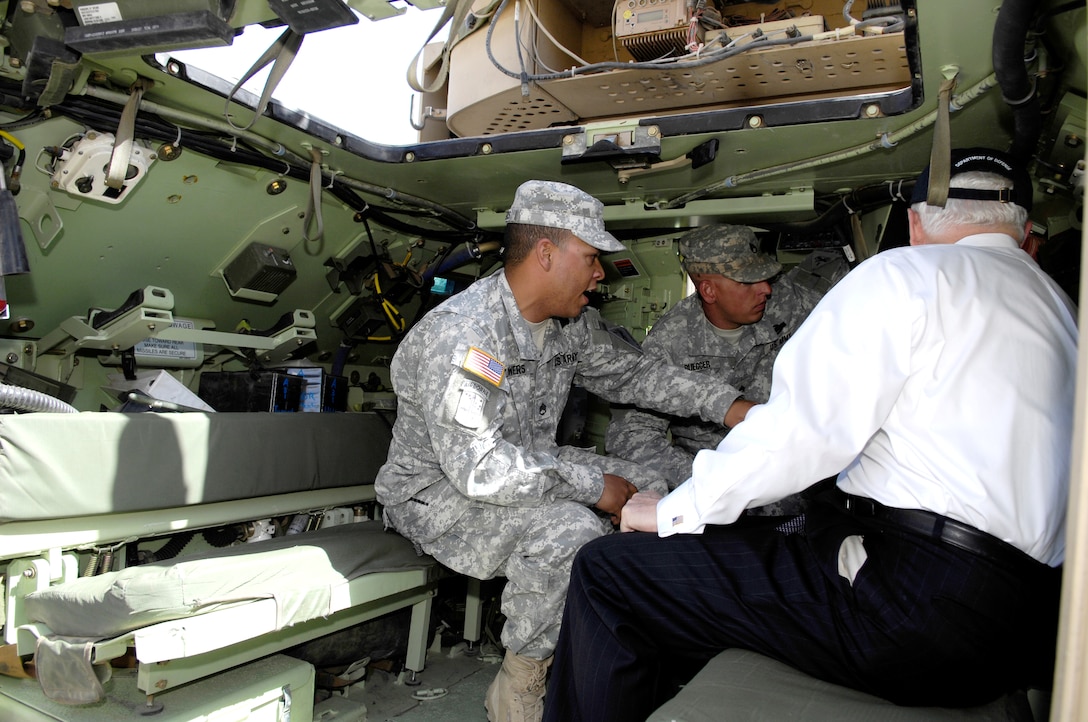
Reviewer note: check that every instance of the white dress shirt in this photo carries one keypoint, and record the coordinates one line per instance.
(937, 377)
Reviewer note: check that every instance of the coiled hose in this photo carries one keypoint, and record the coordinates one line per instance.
(22, 399)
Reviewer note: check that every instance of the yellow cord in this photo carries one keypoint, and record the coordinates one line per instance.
(11, 139)
(391, 311)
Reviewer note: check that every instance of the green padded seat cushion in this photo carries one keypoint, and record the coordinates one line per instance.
(742, 686)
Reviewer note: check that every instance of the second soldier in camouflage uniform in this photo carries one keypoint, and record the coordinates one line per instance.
(731, 329)
(474, 475)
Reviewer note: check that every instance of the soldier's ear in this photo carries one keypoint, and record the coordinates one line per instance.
(706, 290)
(544, 252)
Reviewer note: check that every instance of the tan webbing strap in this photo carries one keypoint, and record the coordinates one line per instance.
(457, 11)
(940, 155)
(126, 135)
(313, 217)
(283, 52)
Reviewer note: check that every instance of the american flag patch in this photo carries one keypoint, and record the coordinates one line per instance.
(483, 365)
(678, 520)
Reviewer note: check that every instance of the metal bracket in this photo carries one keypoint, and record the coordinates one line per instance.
(153, 319)
(425, 114)
(622, 145)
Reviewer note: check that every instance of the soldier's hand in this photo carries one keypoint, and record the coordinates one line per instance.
(737, 411)
(617, 491)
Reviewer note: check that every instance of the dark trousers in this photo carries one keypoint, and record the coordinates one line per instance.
(923, 623)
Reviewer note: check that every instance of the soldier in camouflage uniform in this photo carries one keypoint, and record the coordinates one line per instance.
(474, 475)
(730, 329)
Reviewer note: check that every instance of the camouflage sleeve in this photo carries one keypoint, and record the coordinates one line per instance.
(463, 414)
(642, 437)
(621, 373)
(819, 271)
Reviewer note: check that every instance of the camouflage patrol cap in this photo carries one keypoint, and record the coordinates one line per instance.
(731, 251)
(559, 205)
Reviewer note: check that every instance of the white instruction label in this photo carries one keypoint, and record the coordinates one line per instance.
(161, 348)
(99, 13)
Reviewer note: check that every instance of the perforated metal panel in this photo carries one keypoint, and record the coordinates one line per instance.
(844, 66)
(806, 71)
(508, 111)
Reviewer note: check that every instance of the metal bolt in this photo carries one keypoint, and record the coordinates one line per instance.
(410, 157)
(568, 140)
(485, 148)
(652, 131)
(12, 358)
(169, 151)
(755, 121)
(29, 573)
(872, 110)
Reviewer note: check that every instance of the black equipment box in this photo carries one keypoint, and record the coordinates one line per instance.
(260, 267)
(251, 391)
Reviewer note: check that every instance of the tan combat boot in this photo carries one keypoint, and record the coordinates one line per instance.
(517, 694)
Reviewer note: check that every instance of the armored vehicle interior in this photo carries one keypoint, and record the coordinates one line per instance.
(189, 265)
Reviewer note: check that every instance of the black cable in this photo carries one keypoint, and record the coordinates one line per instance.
(1064, 8)
(97, 114)
(860, 200)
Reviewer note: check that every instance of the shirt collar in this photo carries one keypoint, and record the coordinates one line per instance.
(990, 240)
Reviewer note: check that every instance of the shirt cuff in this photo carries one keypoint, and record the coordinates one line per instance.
(676, 513)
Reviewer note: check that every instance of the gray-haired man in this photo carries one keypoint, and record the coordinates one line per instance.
(731, 329)
(474, 475)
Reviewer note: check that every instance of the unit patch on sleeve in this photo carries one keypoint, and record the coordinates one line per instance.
(483, 365)
(470, 405)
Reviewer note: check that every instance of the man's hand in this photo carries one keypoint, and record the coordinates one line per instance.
(737, 411)
(617, 491)
(640, 514)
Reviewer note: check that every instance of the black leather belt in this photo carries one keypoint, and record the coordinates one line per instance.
(934, 526)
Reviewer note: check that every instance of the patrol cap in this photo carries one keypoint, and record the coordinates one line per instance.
(986, 160)
(731, 251)
(559, 205)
